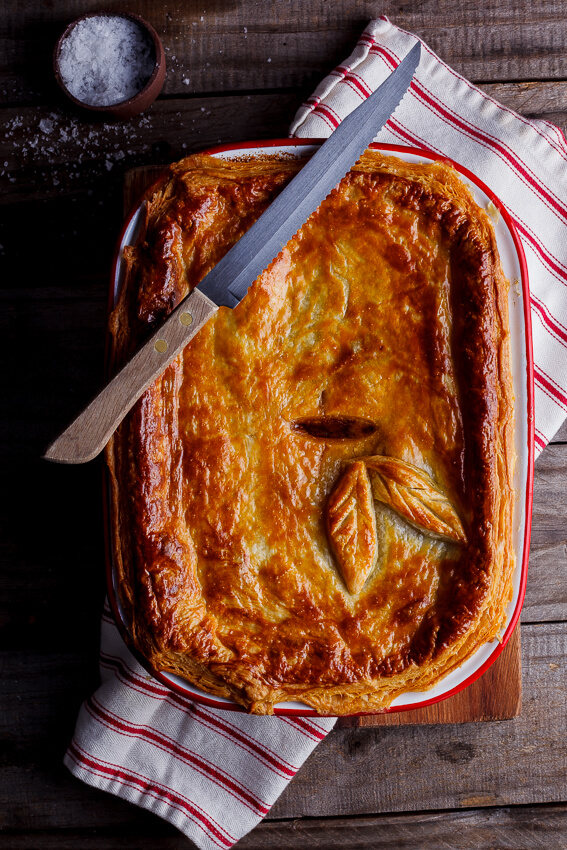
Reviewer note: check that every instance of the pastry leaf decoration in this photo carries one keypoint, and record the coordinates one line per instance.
(351, 526)
(411, 492)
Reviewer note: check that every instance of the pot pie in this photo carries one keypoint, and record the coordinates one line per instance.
(314, 501)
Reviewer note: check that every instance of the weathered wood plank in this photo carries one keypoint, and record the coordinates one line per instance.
(520, 828)
(52, 576)
(47, 152)
(68, 181)
(507, 828)
(250, 45)
(546, 592)
(561, 435)
(549, 526)
(540, 100)
(50, 153)
(359, 771)
(481, 764)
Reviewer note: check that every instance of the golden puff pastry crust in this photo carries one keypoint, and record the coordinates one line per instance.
(314, 501)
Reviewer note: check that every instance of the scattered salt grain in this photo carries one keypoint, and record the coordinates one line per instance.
(106, 60)
(186, 81)
(46, 125)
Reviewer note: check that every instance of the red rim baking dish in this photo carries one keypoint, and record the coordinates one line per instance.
(525, 450)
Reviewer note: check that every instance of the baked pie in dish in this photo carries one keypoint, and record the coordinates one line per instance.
(314, 502)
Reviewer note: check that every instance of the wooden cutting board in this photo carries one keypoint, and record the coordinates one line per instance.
(496, 695)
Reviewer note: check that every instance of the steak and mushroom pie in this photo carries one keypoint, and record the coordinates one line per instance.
(314, 501)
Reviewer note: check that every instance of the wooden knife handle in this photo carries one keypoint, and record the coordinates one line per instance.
(91, 430)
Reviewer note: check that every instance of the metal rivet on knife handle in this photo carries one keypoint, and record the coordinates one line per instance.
(186, 319)
(161, 346)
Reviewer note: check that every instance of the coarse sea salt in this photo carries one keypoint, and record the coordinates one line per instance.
(106, 59)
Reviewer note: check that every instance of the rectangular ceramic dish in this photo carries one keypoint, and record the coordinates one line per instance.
(514, 266)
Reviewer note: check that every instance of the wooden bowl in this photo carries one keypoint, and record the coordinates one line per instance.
(143, 98)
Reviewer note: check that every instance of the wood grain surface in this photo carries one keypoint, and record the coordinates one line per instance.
(228, 46)
(506, 828)
(352, 772)
(482, 785)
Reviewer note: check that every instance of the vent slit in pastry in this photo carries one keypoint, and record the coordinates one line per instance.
(334, 427)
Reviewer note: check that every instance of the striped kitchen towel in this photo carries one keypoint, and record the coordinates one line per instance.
(215, 774)
(524, 162)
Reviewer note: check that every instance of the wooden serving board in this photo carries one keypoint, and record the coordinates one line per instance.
(496, 695)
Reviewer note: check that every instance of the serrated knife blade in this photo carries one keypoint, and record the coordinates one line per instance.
(227, 283)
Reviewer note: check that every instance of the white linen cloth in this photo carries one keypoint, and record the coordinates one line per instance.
(215, 774)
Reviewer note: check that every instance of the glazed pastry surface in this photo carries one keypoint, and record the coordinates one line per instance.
(314, 501)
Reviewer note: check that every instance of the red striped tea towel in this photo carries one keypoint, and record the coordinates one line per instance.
(524, 162)
(214, 774)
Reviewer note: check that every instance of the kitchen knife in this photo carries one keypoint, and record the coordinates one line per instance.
(227, 283)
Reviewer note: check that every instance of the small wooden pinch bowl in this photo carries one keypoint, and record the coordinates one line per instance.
(143, 98)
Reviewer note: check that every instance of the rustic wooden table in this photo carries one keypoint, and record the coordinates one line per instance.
(236, 70)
